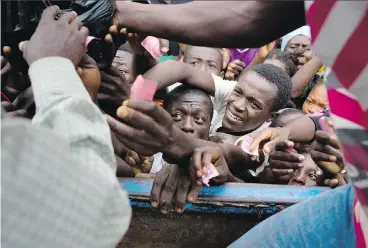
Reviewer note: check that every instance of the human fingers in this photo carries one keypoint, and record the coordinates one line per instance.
(181, 194)
(284, 145)
(150, 108)
(49, 14)
(168, 192)
(158, 185)
(141, 121)
(285, 165)
(281, 172)
(68, 17)
(264, 135)
(287, 156)
(194, 192)
(321, 156)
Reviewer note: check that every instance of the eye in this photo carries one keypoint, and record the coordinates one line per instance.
(308, 101)
(199, 119)
(212, 65)
(177, 117)
(237, 92)
(312, 176)
(254, 104)
(195, 63)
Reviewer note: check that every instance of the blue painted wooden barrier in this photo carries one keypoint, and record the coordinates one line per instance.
(239, 198)
(220, 215)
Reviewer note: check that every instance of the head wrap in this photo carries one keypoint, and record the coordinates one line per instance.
(305, 30)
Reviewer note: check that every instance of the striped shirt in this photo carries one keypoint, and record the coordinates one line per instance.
(340, 36)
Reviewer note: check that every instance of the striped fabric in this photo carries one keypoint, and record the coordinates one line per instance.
(340, 36)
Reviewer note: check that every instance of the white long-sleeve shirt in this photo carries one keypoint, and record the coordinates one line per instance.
(58, 183)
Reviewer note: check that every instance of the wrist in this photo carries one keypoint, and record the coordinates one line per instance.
(179, 147)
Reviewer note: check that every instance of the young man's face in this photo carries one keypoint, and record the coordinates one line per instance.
(123, 61)
(204, 58)
(250, 104)
(317, 100)
(307, 175)
(192, 114)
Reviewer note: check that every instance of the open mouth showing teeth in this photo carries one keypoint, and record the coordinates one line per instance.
(234, 116)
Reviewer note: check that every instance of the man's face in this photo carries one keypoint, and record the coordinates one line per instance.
(192, 114)
(307, 175)
(317, 100)
(204, 58)
(123, 61)
(250, 103)
(299, 45)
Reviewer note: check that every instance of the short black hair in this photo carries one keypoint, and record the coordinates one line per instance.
(279, 120)
(183, 89)
(287, 58)
(278, 78)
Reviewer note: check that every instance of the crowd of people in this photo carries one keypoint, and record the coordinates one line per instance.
(259, 114)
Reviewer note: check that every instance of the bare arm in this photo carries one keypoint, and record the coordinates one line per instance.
(304, 75)
(214, 23)
(170, 72)
(301, 129)
(184, 148)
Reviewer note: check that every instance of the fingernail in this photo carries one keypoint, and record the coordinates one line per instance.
(113, 29)
(122, 112)
(326, 181)
(130, 35)
(108, 38)
(7, 49)
(164, 49)
(266, 150)
(164, 211)
(123, 31)
(300, 165)
(290, 171)
(190, 199)
(75, 13)
(332, 158)
(343, 171)
(290, 144)
(319, 173)
(301, 158)
(154, 204)
(179, 210)
(125, 103)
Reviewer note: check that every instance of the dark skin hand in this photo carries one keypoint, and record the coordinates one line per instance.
(248, 23)
(12, 111)
(234, 69)
(67, 42)
(172, 187)
(326, 152)
(200, 163)
(113, 91)
(283, 163)
(299, 130)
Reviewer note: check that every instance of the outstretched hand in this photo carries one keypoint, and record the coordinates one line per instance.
(64, 37)
(145, 127)
(200, 163)
(172, 188)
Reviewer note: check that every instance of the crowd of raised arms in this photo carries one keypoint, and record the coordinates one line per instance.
(255, 107)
